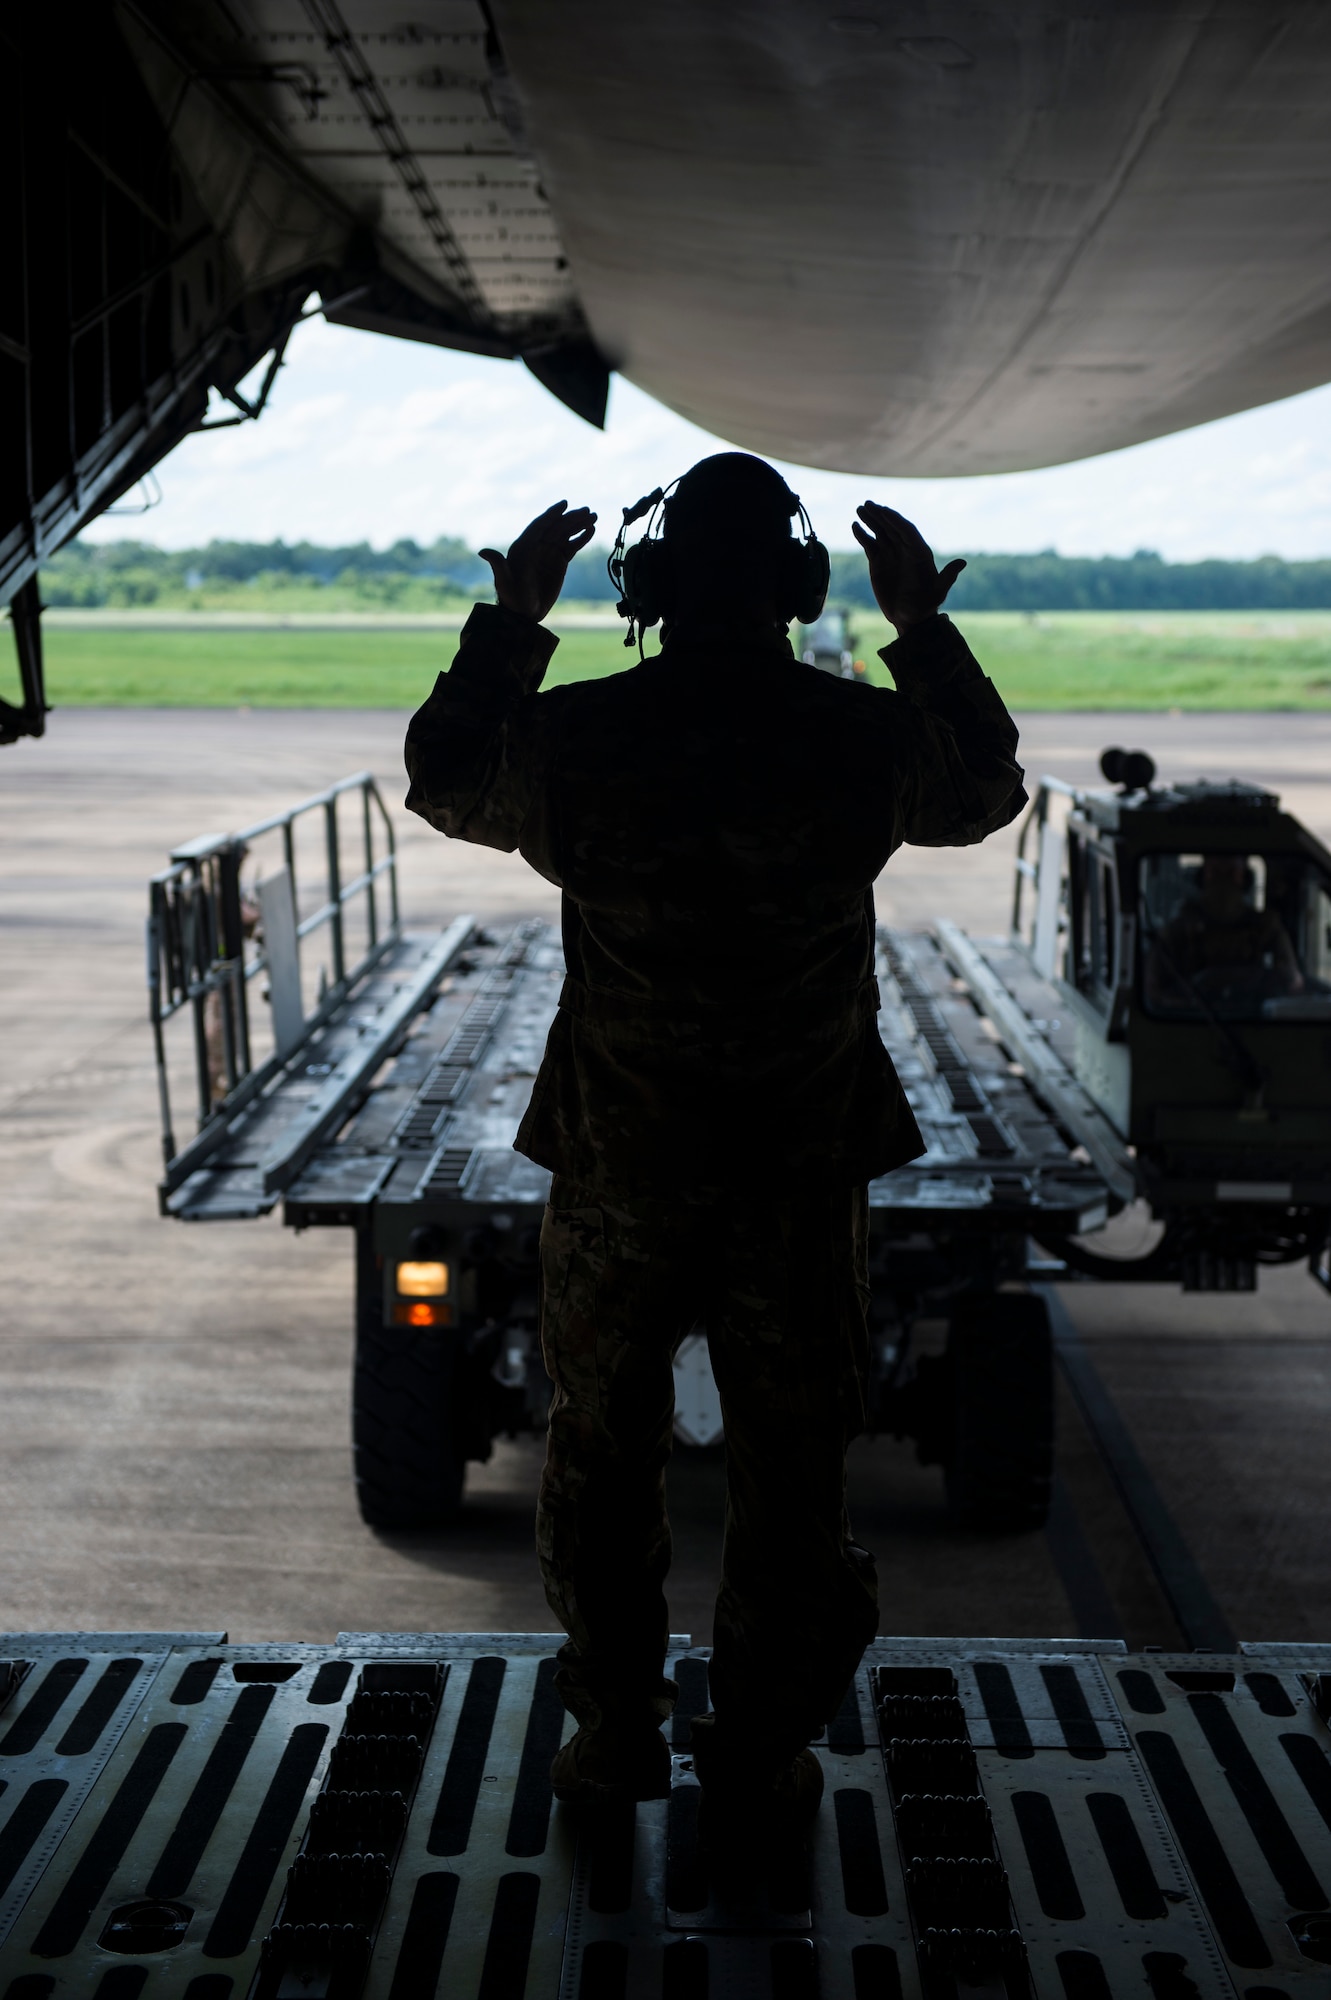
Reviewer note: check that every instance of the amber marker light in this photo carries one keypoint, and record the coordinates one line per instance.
(420, 1312)
(422, 1281)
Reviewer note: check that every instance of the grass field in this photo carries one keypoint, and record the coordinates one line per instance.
(1054, 660)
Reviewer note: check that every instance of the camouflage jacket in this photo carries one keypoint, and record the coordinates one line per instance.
(715, 818)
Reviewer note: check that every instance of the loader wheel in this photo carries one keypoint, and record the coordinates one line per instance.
(409, 1467)
(1000, 1465)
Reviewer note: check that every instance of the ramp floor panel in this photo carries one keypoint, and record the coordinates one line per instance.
(183, 1819)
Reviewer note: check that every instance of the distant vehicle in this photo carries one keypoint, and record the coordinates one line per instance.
(830, 645)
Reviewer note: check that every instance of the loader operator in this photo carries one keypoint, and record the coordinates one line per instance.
(1221, 948)
(714, 1095)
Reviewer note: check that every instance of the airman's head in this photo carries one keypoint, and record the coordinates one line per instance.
(729, 540)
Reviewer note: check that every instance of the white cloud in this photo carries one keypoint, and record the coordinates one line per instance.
(371, 439)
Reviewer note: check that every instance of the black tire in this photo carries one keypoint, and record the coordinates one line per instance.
(1000, 1465)
(408, 1462)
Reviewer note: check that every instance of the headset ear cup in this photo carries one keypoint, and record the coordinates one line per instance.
(646, 579)
(811, 573)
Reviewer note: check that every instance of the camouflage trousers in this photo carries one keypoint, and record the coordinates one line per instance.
(782, 1289)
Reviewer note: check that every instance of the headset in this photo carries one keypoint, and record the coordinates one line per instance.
(640, 572)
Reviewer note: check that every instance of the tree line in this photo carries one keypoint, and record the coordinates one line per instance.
(132, 573)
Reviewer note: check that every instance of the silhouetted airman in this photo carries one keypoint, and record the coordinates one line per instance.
(714, 1096)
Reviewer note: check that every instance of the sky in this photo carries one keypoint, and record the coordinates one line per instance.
(371, 439)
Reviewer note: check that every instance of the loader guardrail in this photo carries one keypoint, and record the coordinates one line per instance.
(204, 952)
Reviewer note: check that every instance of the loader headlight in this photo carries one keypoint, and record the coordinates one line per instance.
(421, 1280)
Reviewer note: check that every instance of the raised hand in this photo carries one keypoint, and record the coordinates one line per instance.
(906, 581)
(530, 577)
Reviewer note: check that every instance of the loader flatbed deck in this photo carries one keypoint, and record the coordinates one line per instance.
(433, 1124)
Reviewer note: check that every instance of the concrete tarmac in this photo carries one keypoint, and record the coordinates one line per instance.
(173, 1399)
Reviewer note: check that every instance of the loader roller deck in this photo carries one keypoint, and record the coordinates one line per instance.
(182, 1817)
(410, 1093)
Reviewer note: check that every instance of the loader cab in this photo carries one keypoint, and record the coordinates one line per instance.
(1187, 932)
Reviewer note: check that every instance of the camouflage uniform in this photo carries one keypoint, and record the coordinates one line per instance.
(782, 1288)
(714, 1095)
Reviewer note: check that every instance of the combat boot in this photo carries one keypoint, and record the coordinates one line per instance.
(606, 1762)
(742, 1782)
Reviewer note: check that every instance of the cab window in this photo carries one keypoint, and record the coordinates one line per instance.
(1234, 936)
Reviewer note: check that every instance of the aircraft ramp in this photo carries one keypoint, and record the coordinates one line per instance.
(186, 1818)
